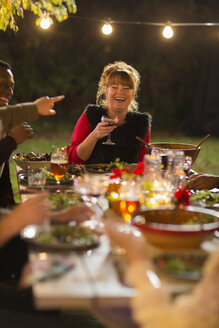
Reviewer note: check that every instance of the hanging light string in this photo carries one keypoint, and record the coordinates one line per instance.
(167, 32)
(101, 20)
(107, 27)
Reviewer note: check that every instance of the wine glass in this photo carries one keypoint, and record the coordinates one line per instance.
(110, 122)
(91, 187)
(58, 163)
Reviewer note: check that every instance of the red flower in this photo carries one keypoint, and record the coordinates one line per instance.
(182, 196)
(139, 169)
(117, 173)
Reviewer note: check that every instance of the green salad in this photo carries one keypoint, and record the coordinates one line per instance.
(68, 178)
(186, 266)
(205, 197)
(59, 201)
(63, 233)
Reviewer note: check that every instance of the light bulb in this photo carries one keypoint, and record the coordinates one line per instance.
(168, 32)
(107, 29)
(45, 23)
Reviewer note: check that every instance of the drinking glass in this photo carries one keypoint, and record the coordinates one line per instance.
(110, 122)
(36, 177)
(152, 165)
(91, 187)
(130, 195)
(58, 163)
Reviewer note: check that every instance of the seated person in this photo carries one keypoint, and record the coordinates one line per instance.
(153, 307)
(116, 99)
(12, 118)
(203, 181)
(16, 136)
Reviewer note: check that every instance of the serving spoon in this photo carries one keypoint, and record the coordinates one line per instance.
(203, 140)
(145, 143)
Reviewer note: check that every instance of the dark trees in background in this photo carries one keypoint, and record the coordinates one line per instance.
(176, 74)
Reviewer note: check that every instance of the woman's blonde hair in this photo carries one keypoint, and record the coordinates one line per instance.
(123, 73)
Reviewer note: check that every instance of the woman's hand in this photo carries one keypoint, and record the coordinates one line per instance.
(77, 213)
(86, 147)
(102, 130)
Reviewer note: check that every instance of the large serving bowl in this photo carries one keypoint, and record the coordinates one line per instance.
(189, 150)
(177, 229)
(32, 164)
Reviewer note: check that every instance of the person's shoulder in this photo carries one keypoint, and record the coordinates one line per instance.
(94, 112)
(94, 108)
(140, 116)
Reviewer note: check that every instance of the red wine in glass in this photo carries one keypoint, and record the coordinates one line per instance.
(110, 122)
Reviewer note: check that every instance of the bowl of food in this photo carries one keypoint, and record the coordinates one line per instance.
(32, 160)
(177, 228)
(189, 150)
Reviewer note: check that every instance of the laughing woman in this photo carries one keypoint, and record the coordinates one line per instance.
(116, 99)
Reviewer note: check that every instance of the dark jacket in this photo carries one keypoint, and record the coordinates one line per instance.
(7, 146)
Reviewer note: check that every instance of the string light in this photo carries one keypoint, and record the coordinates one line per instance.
(44, 22)
(168, 31)
(161, 24)
(107, 28)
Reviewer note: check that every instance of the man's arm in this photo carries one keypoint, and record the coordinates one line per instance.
(13, 115)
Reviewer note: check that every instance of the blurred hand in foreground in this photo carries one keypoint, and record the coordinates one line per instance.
(32, 211)
(203, 181)
(78, 213)
(45, 105)
(127, 237)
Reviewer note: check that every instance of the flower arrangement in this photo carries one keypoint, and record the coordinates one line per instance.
(182, 197)
(120, 171)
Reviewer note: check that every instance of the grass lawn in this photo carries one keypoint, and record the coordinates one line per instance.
(207, 160)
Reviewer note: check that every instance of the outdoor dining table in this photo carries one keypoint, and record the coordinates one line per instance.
(92, 279)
